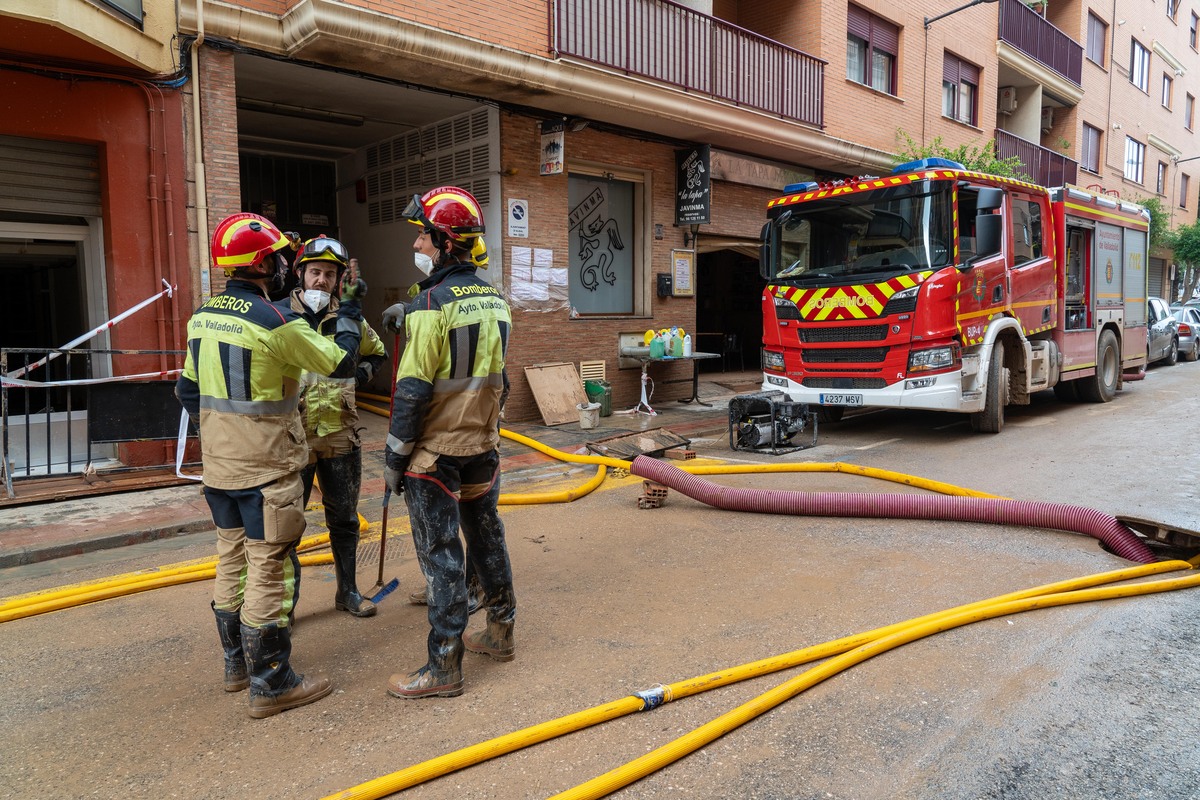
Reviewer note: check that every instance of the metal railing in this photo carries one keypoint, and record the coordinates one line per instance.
(1033, 35)
(666, 42)
(1042, 166)
(49, 430)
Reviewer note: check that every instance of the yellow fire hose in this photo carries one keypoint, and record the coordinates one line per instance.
(80, 594)
(847, 651)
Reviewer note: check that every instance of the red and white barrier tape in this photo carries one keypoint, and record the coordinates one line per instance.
(168, 291)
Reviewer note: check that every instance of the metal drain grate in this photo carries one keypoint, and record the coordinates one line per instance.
(397, 549)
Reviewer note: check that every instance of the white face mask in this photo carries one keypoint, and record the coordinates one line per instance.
(423, 262)
(316, 299)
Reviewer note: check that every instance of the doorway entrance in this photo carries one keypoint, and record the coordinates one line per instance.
(56, 292)
(729, 310)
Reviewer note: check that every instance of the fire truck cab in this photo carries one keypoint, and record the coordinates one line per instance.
(941, 288)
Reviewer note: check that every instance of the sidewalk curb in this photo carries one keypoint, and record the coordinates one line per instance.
(34, 554)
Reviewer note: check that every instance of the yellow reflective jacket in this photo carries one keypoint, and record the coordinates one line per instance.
(327, 405)
(241, 378)
(451, 383)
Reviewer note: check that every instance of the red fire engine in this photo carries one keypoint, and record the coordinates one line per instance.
(940, 288)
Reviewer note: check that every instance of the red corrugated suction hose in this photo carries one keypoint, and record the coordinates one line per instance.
(1116, 536)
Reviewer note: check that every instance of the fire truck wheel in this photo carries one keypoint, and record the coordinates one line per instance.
(1102, 387)
(830, 413)
(1067, 391)
(991, 419)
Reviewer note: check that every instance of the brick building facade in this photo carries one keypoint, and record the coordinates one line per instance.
(327, 115)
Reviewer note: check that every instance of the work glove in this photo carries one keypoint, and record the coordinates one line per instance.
(354, 291)
(394, 478)
(363, 374)
(351, 301)
(393, 318)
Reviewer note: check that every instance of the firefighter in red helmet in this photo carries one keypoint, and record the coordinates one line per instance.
(442, 447)
(239, 384)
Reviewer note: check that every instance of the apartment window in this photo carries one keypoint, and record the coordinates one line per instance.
(1139, 66)
(1160, 186)
(1189, 108)
(1090, 155)
(1097, 36)
(1192, 30)
(871, 48)
(960, 89)
(1135, 159)
(1166, 94)
(131, 9)
(1172, 9)
(1183, 191)
(606, 238)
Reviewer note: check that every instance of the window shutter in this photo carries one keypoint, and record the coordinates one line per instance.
(968, 73)
(858, 22)
(885, 36)
(949, 68)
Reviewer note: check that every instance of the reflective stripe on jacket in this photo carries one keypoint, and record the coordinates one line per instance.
(327, 405)
(451, 381)
(240, 379)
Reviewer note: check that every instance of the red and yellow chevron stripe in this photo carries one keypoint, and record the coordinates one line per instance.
(863, 301)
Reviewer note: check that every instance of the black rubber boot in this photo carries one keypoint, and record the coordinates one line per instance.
(496, 641)
(441, 677)
(474, 595)
(229, 629)
(345, 561)
(274, 687)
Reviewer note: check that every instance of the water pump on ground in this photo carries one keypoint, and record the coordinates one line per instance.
(769, 422)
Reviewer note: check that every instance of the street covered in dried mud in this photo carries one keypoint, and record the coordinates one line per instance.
(123, 698)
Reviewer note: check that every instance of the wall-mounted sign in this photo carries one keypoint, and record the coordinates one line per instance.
(552, 147)
(683, 264)
(518, 218)
(693, 195)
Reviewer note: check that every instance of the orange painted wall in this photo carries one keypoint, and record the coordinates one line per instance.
(116, 116)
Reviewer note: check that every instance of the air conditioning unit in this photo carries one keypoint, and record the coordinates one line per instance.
(1008, 100)
(1047, 119)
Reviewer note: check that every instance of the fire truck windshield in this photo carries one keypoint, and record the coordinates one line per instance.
(889, 231)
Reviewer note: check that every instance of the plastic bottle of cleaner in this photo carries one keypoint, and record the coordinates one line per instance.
(687, 346)
(677, 345)
(657, 347)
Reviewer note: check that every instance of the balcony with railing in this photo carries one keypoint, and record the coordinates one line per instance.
(1042, 166)
(666, 42)
(1029, 32)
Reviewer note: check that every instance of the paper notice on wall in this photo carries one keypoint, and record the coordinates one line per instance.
(537, 285)
(521, 261)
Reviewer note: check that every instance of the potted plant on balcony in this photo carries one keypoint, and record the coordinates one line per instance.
(1037, 5)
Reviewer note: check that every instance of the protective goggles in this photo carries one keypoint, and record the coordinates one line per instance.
(415, 214)
(325, 250)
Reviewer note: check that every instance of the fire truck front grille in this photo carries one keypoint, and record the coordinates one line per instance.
(845, 355)
(844, 383)
(844, 333)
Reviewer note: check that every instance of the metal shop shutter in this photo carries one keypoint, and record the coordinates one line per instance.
(47, 177)
(1154, 277)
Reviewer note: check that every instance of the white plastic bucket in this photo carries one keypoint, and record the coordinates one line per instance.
(589, 415)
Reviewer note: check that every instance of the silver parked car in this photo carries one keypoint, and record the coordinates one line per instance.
(1162, 332)
(1189, 331)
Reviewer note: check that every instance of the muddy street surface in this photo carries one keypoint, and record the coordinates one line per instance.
(123, 698)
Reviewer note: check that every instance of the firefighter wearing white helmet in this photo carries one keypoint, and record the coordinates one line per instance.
(329, 412)
(239, 383)
(442, 447)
